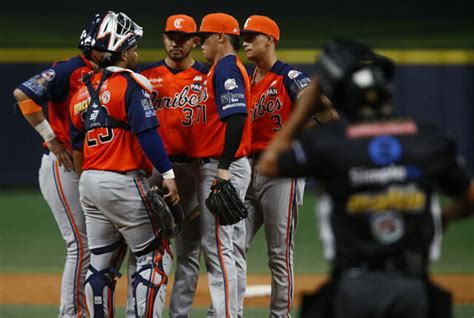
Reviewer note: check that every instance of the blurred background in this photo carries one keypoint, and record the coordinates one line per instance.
(432, 43)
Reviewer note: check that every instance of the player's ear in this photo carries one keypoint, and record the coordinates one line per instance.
(221, 37)
(196, 41)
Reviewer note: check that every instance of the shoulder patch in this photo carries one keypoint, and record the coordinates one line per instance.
(293, 74)
(230, 84)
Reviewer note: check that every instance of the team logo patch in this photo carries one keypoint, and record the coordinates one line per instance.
(387, 228)
(272, 91)
(293, 74)
(145, 93)
(304, 82)
(230, 84)
(225, 98)
(196, 87)
(147, 107)
(105, 97)
(384, 150)
(48, 75)
(178, 23)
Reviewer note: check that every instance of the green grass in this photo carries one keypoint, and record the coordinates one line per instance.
(460, 311)
(52, 311)
(30, 242)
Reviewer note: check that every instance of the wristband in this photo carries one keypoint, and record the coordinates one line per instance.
(45, 130)
(28, 106)
(168, 174)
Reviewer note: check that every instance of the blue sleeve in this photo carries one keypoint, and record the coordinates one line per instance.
(153, 147)
(295, 81)
(229, 90)
(77, 138)
(140, 112)
(52, 84)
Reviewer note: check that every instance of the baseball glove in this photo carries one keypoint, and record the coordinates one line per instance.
(224, 203)
(170, 217)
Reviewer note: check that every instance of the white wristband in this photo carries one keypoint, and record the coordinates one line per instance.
(45, 130)
(168, 174)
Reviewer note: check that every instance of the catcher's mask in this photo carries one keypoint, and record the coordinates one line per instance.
(110, 33)
(368, 87)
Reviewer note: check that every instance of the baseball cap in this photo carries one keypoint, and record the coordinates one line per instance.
(262, 24)
(180, 23)
(219, 22)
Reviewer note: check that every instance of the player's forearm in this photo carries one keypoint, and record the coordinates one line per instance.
(233, 137)
(78, 160)
(32, 112)
(153, 147)
(461, 208)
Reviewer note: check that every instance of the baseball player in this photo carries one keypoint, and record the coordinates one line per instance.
(272, 202)
(58, 182)
(177, 82)
(380, 218)
(222, 143)
(114, 123)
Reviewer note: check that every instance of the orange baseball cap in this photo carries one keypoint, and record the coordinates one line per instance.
(180, 23)
(219, 22)
(262, 24)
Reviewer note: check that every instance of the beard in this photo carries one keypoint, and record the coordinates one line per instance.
(178, 56)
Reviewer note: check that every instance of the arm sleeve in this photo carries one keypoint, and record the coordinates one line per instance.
(77, 138)
(229, 87)
(153, 147)
(233, 137)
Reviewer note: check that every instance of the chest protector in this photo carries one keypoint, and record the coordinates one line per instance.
(96, 115)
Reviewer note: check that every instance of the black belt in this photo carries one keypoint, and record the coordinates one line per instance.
(205, 160)
(181, 158)
(389, 265)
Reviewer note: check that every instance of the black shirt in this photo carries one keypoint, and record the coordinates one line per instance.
(380, 177)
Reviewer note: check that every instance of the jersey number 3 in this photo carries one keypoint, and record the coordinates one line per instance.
(277, 121)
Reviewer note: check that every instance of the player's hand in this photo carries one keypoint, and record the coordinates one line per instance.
(172, 195)
(223, 174)
(63, 155)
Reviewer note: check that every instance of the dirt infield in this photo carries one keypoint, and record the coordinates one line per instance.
(43, 289)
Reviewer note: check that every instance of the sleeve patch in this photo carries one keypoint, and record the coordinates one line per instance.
(37, 84)
(48, 75)
(230, 84)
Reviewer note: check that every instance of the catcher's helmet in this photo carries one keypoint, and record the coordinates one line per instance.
(369, 86)
(110, 32)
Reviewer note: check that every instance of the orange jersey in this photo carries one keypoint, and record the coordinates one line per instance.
(273, 99)
(113, 149)
(56, 86)
(228, 89)
(179, 100)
